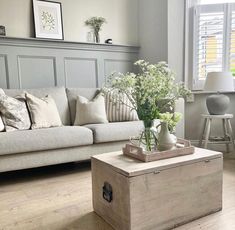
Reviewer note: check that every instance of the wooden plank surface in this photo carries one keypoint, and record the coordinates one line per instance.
(176, 196)
(131, 167)
(117, 212)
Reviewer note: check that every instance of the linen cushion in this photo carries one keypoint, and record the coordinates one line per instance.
(116, 131)
(14, 113)
(90, 112)
(119, 107)
(73, 93)
(43, 112)
(44, 139)
(57, 93)
(2, 128)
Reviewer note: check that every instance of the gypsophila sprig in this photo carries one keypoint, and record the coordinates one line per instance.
(95, 23)
(151, 91)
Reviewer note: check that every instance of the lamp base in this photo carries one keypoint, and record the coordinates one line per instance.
(217, 104)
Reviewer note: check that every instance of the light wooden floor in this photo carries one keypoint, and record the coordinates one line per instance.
(59, 197)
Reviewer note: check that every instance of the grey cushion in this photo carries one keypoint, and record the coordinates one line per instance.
(44, 139)
(72, 95)
(57, 93)
(116, 131)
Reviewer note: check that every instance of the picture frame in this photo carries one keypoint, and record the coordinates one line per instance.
(48, 19)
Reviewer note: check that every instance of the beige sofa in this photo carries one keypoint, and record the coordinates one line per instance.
(41, 147)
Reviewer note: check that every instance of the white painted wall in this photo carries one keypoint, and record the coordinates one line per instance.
(161, 33)
(153, 30)
(122, 17)
(176, 37)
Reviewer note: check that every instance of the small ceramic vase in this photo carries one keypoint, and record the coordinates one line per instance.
(166, 140)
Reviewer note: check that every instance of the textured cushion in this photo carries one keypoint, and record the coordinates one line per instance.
(119, 107)
(90, 112)
(2, 128)
(2, 91)
(14, 113)
(117, 131)
(43, 112)
(72, 95)
(57, 93)
(44, 139)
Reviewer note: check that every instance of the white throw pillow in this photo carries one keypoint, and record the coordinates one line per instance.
(119, 107)
(43, 112)
(2, 91)
(14, 113)
(90, 112)
(2, 128)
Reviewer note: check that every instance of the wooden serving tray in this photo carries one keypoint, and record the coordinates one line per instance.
(183, 147)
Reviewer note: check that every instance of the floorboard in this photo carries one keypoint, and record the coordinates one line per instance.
(59, 197)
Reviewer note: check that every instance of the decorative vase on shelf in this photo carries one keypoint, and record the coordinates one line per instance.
(97, 37)
(148, 137)
(90, 37)
(166, 140)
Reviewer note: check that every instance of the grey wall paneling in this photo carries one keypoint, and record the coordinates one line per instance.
(3, 71)
(118, 65)
(35, 63)
(41, 69)
(81, 72)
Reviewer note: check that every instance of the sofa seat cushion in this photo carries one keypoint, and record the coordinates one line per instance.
(116, 131)
(44, 139)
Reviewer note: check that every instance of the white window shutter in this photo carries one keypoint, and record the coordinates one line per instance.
(209, 41)
(232, 39)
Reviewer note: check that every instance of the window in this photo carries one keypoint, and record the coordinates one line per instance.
(203, 2)
(214, 40)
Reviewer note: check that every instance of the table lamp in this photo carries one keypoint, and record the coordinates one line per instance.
(217, 104)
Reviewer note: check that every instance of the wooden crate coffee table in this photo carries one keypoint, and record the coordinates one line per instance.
(132, 195)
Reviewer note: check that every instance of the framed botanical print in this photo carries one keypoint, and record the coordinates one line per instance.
(48, 19)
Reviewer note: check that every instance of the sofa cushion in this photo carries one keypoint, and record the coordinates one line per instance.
(90, 112)
(119, 107)
(43, 112)
(2, 127)
(116, 131)
(14, 113)
(44, 139)
(73, 94)
(57, 93)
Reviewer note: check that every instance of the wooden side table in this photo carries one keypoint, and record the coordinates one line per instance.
(228, 137)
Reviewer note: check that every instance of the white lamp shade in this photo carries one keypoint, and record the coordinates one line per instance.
(219, 81)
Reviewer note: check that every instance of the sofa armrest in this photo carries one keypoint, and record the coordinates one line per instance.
(180, 107)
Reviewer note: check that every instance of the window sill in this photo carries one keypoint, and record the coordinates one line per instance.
(210, 92)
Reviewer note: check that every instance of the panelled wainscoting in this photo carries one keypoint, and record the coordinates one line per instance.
(34, 63)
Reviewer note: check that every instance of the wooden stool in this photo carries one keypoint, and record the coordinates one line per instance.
(227, 129)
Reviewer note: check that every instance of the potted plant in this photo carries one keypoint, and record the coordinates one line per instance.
(151, 91)
(96, 23)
